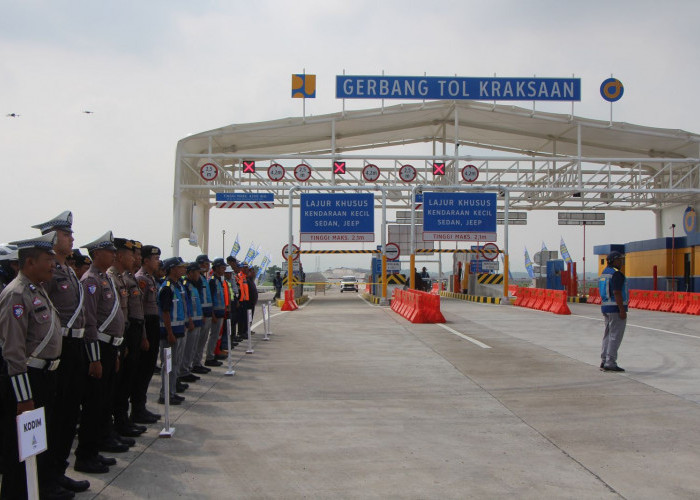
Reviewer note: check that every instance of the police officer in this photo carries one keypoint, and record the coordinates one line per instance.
(218, 309)
(81, 263)
(104, 333)
(66, 293)
(30, 333)
(614, 295)
(132, 307)
(277, 282)
(150, 340)
(243, 301)
(173, 322)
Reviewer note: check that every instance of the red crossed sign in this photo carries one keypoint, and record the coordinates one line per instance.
(338, 167)
(248, 167)
(439, 168)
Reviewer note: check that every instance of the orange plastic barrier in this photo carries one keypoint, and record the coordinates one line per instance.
(655, 300)
(417, 306)
(559, 302)
(681, 302)
(667, 300)
(554, 301)
(693, 304)
(635, 297)
(594, 296)
(289, 302)
(513, 290)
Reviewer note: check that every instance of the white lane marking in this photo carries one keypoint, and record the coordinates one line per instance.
(644, 327)
(465, 337)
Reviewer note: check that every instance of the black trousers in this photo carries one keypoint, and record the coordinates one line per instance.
(96, 414)
(130, 355)
(71, 376)
(146, 364)
(242, 320)
(14, 478)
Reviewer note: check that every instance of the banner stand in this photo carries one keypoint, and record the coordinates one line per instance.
(167, 358)
(266, 320)
(31, 440)
(230, 372)
(250, 332)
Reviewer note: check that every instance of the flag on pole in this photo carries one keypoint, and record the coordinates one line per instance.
(236, 248)
(564, 251)
(263, 266)
(528, 264)
(257, 252)
(250, 254)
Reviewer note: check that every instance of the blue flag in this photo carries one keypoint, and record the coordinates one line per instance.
(528, 264)
(564, 251)
(236, 248)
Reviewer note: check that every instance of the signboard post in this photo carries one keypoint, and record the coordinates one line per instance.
(168, 362)
(341, 218)
(459, 216)
(31, 439)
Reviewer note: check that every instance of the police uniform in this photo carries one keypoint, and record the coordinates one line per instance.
(104, 333)
(66, 293)
(30, 333)
(132, 306)
(151, 333)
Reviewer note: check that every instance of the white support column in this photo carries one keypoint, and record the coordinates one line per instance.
(177, 200)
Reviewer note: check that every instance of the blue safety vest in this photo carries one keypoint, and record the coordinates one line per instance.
(205, 297)
(608, 304)
(218, 300)
(178, 315)
(194, 302)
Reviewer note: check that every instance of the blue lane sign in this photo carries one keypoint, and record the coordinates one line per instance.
(460, 88)
(246, 197)
(337, 217)
(459, 216)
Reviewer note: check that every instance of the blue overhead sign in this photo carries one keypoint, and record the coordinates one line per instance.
(459, 216)
(337, 217)
(246, 197)
(452, 87)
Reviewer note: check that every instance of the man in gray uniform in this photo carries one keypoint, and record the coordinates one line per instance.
(104, 332)
(30, 335)
(66, 293)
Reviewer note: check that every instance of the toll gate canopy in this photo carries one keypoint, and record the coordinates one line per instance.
(544, 160)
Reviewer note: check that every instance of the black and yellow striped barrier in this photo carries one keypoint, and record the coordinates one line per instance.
(371, 298)
(578, 300)
(471, 298)
(394, 279)
(295, 281)
(489, 279)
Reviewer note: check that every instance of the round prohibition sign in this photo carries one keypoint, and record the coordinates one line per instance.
(209, 171)
(295, 254)
(275, 172)
(407, 173)
(371, 172)
(302, 172)
(612, 89)
(490, 251)
(392, 251)
(470, 173)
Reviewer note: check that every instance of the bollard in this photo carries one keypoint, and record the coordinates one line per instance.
(230, 372)
(250, 332)
(168, 362)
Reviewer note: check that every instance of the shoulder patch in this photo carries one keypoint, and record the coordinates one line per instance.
(18, 310)
(37, 301)
(92, 289)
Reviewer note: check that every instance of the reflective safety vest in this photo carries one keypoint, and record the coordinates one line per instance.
(178, 315)
(205, 297)
(242, 280)
(218, 298)
(195, 303)
(607, 296)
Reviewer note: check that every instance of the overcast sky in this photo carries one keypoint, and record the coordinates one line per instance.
(153, 72)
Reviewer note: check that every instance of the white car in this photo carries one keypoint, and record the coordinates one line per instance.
(348, 283)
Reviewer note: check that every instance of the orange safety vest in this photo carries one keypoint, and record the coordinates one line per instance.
(243, 286)
(227, 294)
